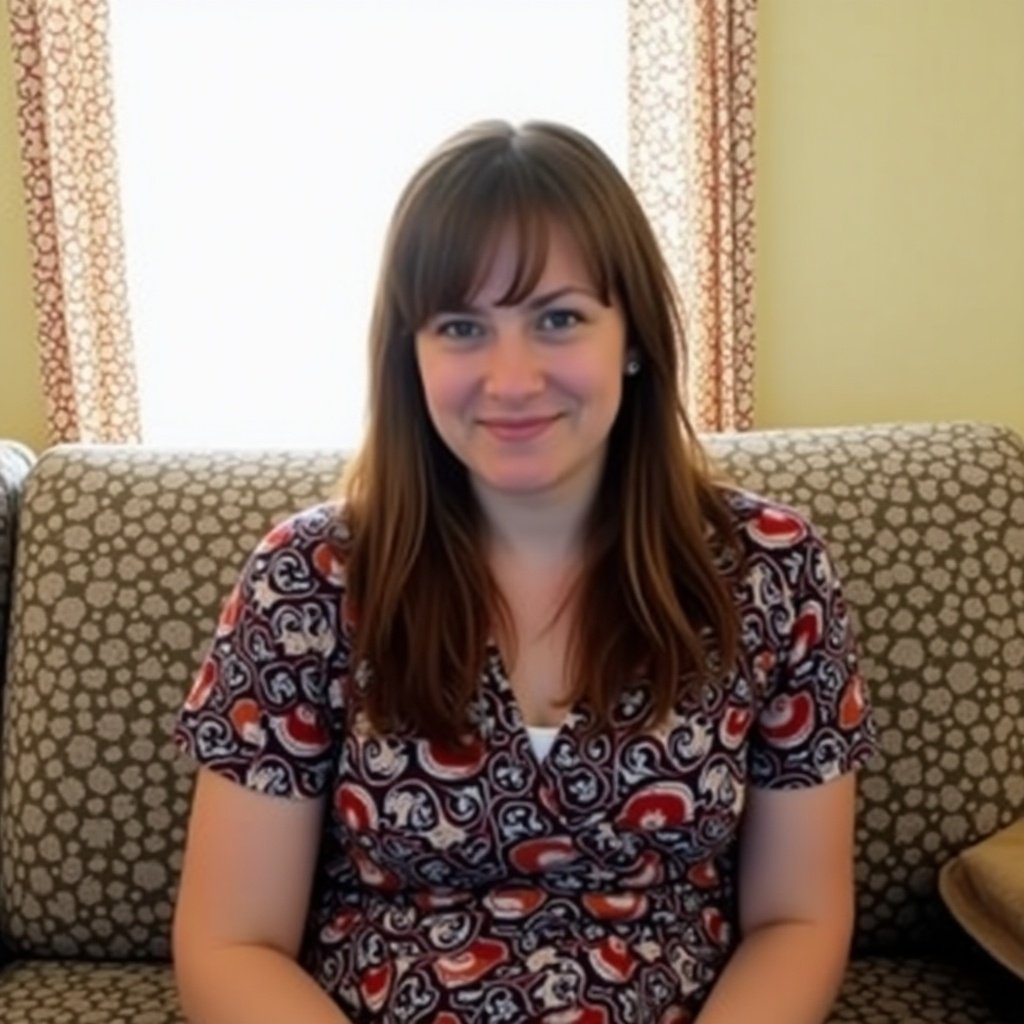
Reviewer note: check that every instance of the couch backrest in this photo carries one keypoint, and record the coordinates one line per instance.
(126, 555)
(926, 525)
(124, 558)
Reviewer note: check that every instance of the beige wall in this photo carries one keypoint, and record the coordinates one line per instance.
(21, 401)
(890, 205)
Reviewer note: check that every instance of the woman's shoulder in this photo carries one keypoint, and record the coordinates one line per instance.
(785, 557)
(764, 524)
(323, 523)
(309, 545)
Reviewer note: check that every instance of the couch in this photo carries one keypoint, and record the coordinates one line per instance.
(122, 557)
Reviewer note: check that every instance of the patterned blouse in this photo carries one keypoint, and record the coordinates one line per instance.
(596, 885)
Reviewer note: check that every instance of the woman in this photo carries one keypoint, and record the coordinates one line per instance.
(542, 721)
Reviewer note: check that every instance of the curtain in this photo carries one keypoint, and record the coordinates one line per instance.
(66, 126)
(691, 160)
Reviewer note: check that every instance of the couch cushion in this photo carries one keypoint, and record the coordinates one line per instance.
(126, 557)
(984, 890)
(926, 525)
(883, 990)
(75, 993)
(15, 461)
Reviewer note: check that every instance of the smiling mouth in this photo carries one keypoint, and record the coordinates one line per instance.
(519, 430)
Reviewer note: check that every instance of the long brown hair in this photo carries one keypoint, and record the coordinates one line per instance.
(650, 595)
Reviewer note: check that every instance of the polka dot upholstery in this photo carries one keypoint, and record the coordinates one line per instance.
(62, 992)
(891, 990)
(125, 556)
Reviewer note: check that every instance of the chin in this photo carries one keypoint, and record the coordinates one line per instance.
(515, 482)
(520, 486)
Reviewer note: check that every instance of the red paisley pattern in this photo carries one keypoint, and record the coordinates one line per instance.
(482, 885)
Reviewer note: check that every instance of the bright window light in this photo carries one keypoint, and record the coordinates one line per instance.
(262, 145)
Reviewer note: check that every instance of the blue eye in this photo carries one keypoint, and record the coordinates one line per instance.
(559, 319)
(460, 330)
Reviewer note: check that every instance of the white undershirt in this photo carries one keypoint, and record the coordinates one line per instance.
(541, 738)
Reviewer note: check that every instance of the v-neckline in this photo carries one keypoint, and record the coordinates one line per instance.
(519, 725)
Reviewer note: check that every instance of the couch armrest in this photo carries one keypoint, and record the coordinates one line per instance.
(15, 462)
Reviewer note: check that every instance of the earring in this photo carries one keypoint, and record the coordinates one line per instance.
(632, 366)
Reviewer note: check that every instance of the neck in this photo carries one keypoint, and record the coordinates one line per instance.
(533, 536)
(537, 531)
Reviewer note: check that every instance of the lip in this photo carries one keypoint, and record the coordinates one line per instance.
(519, 429)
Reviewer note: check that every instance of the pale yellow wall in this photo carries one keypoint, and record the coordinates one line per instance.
(890, 205)
(21, 402)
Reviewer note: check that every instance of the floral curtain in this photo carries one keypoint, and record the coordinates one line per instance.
(691, 153)
(65, 120)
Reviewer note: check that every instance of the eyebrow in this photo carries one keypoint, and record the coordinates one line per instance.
(542, 300)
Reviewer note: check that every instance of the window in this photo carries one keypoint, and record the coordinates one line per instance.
(262, 144)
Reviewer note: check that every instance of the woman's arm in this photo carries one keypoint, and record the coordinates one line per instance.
(796, 907)
(242, 905)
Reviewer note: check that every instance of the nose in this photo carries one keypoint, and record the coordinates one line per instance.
(514, 367)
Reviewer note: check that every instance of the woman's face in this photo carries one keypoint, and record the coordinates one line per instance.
(525, 395)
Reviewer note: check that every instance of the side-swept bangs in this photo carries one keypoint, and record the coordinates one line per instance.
(454, 213)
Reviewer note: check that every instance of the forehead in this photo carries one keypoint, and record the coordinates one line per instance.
(512, 267)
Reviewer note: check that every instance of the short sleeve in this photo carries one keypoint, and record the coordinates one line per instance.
(814, 722)
(263, 706)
